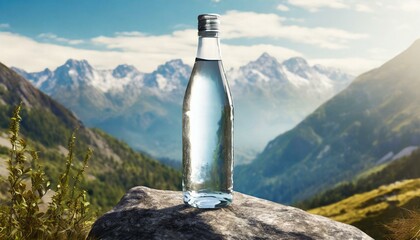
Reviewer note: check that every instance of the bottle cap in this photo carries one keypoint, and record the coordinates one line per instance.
(208, 24)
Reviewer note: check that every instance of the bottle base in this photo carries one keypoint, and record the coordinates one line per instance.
(207, 200)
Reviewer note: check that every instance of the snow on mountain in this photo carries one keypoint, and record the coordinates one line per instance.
(294, 71)
(74, 73)
(298, 66)
(124, 70)
(275, 96)
(267, 93)
(264, 69)
(170, 76)
(36, 78)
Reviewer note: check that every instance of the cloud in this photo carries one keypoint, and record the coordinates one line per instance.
(20, 51)
(35, 56)
(147, 51)
(282, 7)
(355, 66)
(146, 54)
(315, 5)
(410, 6)
(360, 7)
(53, 37)
(258, 25)
(4, 25)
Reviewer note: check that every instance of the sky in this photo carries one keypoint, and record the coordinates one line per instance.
(353, 35)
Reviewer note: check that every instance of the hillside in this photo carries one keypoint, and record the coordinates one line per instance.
(400, 169)
(47, 125)
(370, 218)
(361, 127)
(370, 211)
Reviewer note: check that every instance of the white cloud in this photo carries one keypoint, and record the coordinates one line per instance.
(257, 25)
(355, 66)
(282, 7)
(4, 25)
(146, 52)
(235, 25)
(53, 37)
(299, 20)
(146, 56)
(315, 5)
(410, 6)
(360, 7)
(20, 51)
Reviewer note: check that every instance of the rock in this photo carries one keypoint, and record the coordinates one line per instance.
(145, 213)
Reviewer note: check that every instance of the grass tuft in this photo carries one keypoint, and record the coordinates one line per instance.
(405, 228)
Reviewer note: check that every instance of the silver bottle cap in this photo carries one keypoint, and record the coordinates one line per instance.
(208, 25)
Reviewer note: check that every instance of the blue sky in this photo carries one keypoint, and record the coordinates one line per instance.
(354, 35)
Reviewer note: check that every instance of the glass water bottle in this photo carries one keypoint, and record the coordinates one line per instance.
(207, 124)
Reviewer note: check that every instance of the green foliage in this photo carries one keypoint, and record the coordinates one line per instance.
(4, 150)
(130, 170)
(36, 121)
(22, 216)
(374, 210)
(404, 168)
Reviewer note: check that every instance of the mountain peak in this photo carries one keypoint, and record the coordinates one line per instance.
(266, 59)
(297, 65)
(416, 44)
(70, 63)
(123, 70)
(47, 71)
(177, 61)
(20, 71)
(171, 66)
(295, 62)
(407, 59)
(169, 76)
(174, 63)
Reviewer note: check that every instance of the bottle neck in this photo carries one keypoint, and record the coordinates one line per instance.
(209, 48)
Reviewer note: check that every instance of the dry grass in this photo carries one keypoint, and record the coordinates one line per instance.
(406, 228)
(379, 212)
(360, 206)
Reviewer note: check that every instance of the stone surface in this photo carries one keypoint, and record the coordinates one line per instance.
(145, 213)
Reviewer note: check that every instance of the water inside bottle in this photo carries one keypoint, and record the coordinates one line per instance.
(207, 137)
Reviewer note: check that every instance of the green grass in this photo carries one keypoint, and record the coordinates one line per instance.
(370, 211)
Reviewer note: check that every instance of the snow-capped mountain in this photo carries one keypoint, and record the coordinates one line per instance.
(144, 109)
(275, 96)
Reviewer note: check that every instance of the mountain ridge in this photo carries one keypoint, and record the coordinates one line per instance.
(149, 104)
(47, 125)
(349, 133)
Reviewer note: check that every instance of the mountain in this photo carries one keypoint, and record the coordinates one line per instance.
(144, 109)
(403, 168)
(275, 96)
(371, 211)
(376, 116)
(47, 126)
(374, 197)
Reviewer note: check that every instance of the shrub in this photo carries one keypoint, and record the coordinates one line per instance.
(21, 217)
